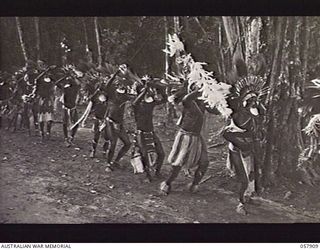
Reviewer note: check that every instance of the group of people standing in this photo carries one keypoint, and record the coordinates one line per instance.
(37, 88)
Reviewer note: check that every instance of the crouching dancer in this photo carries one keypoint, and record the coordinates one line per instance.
(147, 141)
(242, 133)
(189, 148)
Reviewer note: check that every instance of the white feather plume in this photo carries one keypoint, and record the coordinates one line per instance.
(312, 129)
(174, 45)
(214, 93)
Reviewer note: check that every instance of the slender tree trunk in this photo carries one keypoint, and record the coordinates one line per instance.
(88, 52)
(168, 68)
(166, 46)
(177, 30)
(37, 27)
(96, 28)
(85, 34)
(306, 42)
(176, 25)
(21, 39)
(251, 27)
(222, 56)
(231, 28)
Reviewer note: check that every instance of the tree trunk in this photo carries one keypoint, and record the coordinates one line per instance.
(85, 34)
(233, 37)
(282, 148)
(223, 72)
(171, 113)
(176, 25)
(306, 42)
(177, 30)
(251, 30)
(166, 46)
(88, 52)
(37, 27)
(21, 40)
(96, 28)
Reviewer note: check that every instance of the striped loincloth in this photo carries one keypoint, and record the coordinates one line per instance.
(186, 150)
(45, 106)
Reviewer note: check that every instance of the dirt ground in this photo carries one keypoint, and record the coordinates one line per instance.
(45, 182)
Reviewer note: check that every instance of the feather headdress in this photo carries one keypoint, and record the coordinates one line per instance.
(311, 99)
(315, 88)
(71, 69)
(214, 93)
(251, 84)
(313, 127)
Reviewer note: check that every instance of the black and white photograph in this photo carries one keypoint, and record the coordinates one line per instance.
(159, 119)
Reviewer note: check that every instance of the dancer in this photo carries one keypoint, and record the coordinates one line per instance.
(100, 105)
(147, 140)
(242, 130)
(44, 92)
(189, 148)
(117, 93)
(30, 72)
(70, 87)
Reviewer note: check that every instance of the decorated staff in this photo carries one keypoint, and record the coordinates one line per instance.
(200, 92)
(242, 132)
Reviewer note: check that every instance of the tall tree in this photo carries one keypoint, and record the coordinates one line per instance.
(96, 28)
(37, 28)
(88, 52)
(21, 39)
(165, 21)
(251, 27)
(171, 112)
(86, 41)
(223, 71)
(176, 24)
(232, 30)
(286, 85)
(169, 106)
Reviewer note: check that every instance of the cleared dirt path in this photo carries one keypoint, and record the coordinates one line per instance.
(44, 182)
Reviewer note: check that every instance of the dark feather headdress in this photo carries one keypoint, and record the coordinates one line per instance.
(311, 98)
